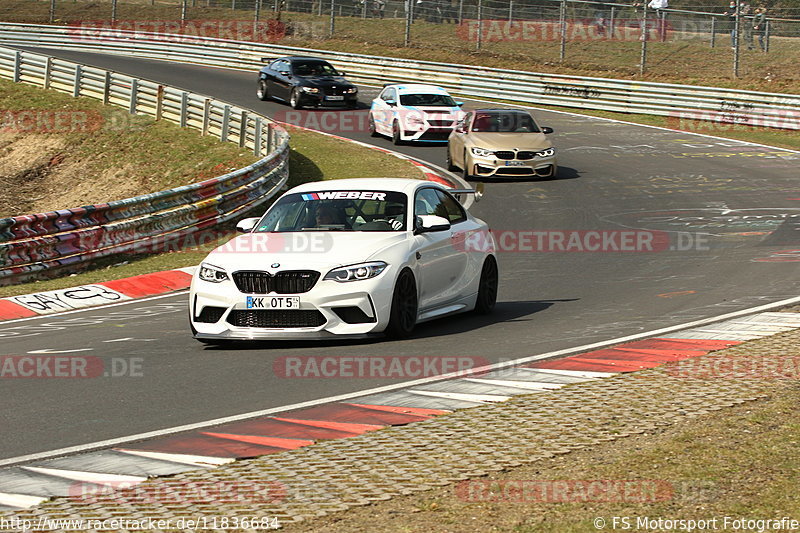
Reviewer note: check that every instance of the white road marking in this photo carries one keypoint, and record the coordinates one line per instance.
(196, 460)
(532, 385)
(90, 477)
(477, 398)
(21, 501)
(54, 351)
(125, 339)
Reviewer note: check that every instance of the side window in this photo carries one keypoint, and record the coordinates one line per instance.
(455, 213)
(386, 94)
(275, 65)
(428, 202)
(465, 120)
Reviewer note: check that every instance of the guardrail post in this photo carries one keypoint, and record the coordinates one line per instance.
(76, 85)
(562, 21)
(226, 119)
(257, 137)
(106, 87)
(713, 31)
(159, 102)
(480, 25)
(333, 17)
(134, 96)
(48, 68)
(643, 57)
(243, 129)
(206, 115)
(17, 65)
(184, 108)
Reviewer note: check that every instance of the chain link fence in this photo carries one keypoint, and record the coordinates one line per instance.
(523, 34)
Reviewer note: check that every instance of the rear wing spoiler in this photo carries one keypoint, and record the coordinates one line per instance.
(267, 59)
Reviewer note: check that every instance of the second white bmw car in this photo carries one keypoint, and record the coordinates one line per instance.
(346, 257)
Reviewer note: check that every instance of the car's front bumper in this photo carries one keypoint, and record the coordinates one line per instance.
(329, 309)
(539, 167)
(318, 99)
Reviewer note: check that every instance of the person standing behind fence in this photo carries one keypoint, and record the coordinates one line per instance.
(733, 7)
(658, 5)
(747, 25)
(759, 27)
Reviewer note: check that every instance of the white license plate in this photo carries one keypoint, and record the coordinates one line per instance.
(334, 98)
(515, 163)
(273, 302)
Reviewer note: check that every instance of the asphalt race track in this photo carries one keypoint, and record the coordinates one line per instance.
(728, 211)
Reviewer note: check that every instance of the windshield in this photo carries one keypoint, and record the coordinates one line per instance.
(337, 211)
(313, 68)
(441, 100)
(505, 122)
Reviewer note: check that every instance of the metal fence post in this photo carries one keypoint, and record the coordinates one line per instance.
(319, 8)
(134, 96)
(511, 11)
(643, 57)
(662, 25)
(106, 87)
(113, 10)
(184, 108)
(226, 121)
(183, 11)
(611, 23)
(480, 25)
(333, 17)
(52, 15)
(460, 10)
(159, 102)
(409, 20)
(257, 9)
(562, 21)
(737, 38)
(270, 136)
(76, 86)
(364, 9)
(242, 129)
(257, 137)
(17, 65)
(766, 36)
(713, 31)
(48, 69)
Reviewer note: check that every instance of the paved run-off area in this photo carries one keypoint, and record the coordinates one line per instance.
(335, 475)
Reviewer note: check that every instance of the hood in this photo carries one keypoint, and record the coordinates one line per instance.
(326, 81)
(509, 141)
(302, 250)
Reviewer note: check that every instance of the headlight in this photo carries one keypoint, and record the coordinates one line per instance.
(352, 90)
(309, 89)
(356, 272)
(482, 152)
(546, 153)
(212, 273)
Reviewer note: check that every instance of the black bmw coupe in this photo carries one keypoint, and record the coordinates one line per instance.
(305, 81)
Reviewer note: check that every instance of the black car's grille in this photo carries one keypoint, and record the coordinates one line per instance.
(275, 318)
(210, 314)
(441, 123)
(287, 282)
(525, 155)
(502, 154)
(334, 91)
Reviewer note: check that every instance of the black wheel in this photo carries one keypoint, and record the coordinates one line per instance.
(262, 93)
(465, 171)
(450, 166)
(371, 124)
(403, 317)
(487, 288)
(294, 99)
(396, 134)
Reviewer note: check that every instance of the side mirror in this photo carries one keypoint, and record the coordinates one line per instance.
(460, 129)
(246, 225)
(546, 130)
(285, 72)
(429, 223)
(391, 103)
(459, 104)
(339, 73)
(478, 192)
